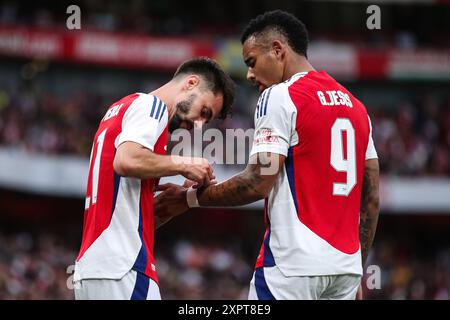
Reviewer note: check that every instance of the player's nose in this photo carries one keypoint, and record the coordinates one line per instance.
(251, 76)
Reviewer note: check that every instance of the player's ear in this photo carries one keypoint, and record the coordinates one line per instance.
(278, 48)
(192, 81)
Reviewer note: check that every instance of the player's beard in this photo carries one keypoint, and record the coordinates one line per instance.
(181, 110)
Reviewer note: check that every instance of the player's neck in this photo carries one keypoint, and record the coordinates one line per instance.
(296, 64)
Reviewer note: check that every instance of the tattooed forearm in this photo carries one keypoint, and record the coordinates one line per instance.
(239, 190)
(253, 184)
(369, 207)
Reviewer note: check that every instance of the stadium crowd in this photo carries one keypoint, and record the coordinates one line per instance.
(410, 29)
(408, 273)
(411, 139)
(38, 266)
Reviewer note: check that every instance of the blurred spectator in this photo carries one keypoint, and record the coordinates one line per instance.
(411, 139)
(35, 267)
(409, 273)
(42, 122)
(202, 271)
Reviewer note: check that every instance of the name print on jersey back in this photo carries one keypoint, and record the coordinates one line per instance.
(335, 98)
(112, 112)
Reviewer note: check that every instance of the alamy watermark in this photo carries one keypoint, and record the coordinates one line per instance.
(70, 283)
(73, 22)
(374, 20)
(373, 281)
(229, 147)
(221, 148)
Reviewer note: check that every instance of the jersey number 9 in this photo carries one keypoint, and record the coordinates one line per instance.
(340, 161)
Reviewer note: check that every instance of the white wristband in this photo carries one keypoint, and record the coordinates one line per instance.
(191, 197)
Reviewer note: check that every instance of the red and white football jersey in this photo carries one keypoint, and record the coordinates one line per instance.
(118, 228)
(312, 212)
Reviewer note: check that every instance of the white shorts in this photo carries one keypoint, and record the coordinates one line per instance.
(133, 286)
(271, 284)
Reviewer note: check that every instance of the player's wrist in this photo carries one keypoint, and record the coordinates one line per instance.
(191, 198)
(180, 165)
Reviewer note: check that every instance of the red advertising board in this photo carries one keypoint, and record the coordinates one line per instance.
(342, 60)
(100, 47)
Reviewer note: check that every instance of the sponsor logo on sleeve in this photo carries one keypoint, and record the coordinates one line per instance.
(264, 136)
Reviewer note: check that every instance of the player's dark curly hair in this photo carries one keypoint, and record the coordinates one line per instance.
(215, 78)
(282, 22)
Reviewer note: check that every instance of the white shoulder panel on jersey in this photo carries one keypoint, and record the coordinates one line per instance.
(275, 119)
(371, 152)
(144, 121)
(295, 77)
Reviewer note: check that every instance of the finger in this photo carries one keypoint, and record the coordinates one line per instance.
(188, 183)
(158, 210)
(162, 187)
(210, 172)
(160, 198)
(211, 182)
(206, 177)
(198, 177)
(198, 180)
(206, 180)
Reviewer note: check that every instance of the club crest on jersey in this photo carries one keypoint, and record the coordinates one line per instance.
(265, 135)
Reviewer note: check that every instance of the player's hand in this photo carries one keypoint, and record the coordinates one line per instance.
(198, 170)
(171, 201)
(359, 293)
(189, 183)
(192, 184)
